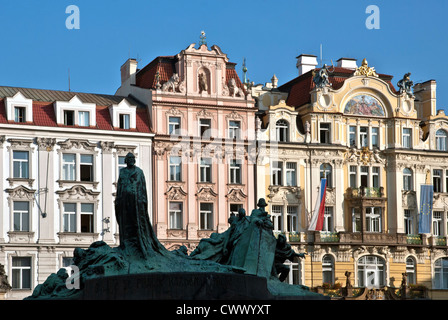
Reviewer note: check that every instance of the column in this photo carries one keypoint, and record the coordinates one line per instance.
(107, 180)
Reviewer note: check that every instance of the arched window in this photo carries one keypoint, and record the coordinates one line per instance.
(407, 179)
(441, 273)
(441, 140)
(326, 172)
(410, 270)
(371, 272)
(327, 269)
(282, 129)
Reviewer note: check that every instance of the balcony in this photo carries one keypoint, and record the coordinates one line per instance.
(365, 192)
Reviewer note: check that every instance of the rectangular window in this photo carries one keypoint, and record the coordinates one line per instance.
(276, 215)
(364, 136)
(87, 217)
(235, 172)
(328, 219)
(375, 177)
(175, 168)
(291, 177)
(407, 138)
(84, 118)
(364, 176)
(235, 207)
(19, 114)
(234, 129)
(20, 164)
(356, 220)
(292, 218)
(174, 125)
(121, 163)
(69, 217)
(277, 173)
(437, 180)
(373, 219)
(69, 117)
(21, 272)
(324, 133)
(205, 170)
(205, 128)
(437, 223)
(407, 179)
(86, 167)
(353, 177)
(69, 166)
(175, 215)
(408, 222)
(206, 216)
(375, 137)
(352, 136)
(21, 215)
(125, 121)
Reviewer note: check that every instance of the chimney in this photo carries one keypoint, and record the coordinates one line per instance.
(305, 63)
(348, 63)
(128, 70)
(425, 99)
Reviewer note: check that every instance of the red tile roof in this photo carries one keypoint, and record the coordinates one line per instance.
(299, 88)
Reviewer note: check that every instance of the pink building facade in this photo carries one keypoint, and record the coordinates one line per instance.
(204, 144)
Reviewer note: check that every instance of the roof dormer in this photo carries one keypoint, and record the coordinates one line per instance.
(75, 113)
(123, 115)
(19, 108)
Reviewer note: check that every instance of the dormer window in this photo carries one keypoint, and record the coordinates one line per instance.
(125, 121)
(123, 115)
(69, 117)
(19, 114)
(19, 109)
(75, 113)
(84, 118)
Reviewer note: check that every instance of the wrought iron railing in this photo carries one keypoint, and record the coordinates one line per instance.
(414, 239)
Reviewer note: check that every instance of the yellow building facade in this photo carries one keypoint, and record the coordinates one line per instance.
(376, 145)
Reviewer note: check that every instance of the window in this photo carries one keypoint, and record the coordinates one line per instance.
(19, 114)
(21, 215)
(69, 166)
(373, 219)
(441, 140)
(69, 117)
(174, 125)
(125, 121)
(352, 136)
(327, 269)
(375, 137)
(204, 128)
(375, 177)
(407, 138)
(86, 167)
(87, 217)
(294, 274)
(276, 216)
(69, 224)
(410, 271)
(441, 273)
(291, 177)
(235, 207)
(175, 168)
(21, 273)
(407, 179)
(408, 222)
(234, 129)
(328, 219)
(326, 172)
(364, 136)
(356, 220)
(121, 163)
(371, 272)
(437, 180)
(324, 133)
(292, 218)
(277, 173)
(205, 170)
(20, 164)
(437, 223)
(206, 216)
(175, 215)
(282, 130)
(235, 172)
(84, 118)
(353, 176)
(364, 176)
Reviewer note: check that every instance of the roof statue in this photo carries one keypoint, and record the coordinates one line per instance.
(406, 84)
(248, 247)
(202, 38)
(365, 70)
(320, 78)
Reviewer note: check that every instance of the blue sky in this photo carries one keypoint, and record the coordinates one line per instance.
(38, 49)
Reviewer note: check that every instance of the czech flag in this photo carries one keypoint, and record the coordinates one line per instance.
(317, 220)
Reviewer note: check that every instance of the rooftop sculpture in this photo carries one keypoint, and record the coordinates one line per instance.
(247, 247)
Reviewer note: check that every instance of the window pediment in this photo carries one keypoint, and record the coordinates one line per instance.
(19, 108)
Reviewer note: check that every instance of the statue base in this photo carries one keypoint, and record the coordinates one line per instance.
(184, 286)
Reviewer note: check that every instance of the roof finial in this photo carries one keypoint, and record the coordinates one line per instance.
(202, 37)
(244, 71)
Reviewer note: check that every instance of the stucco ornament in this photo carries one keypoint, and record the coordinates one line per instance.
(365, 70)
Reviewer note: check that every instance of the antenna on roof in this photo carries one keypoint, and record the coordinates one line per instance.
(69, 79)
(321, 54)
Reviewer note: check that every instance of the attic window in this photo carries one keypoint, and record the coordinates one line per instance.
(69, 117)
(125, 121)
(19, 114)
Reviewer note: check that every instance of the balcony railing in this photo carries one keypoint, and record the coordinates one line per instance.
(369, 192)
(414, 239)
(329, 237)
